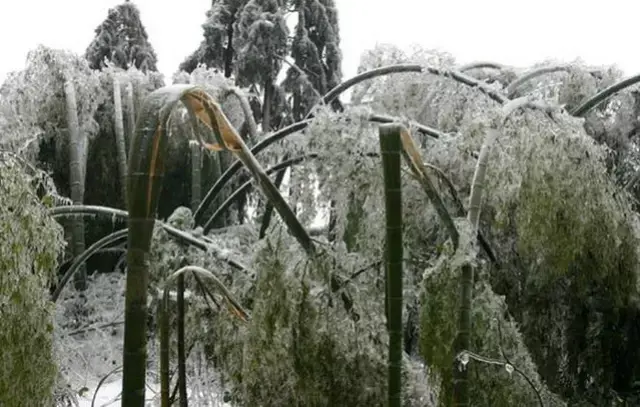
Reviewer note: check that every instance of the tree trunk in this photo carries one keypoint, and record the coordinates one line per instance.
(228, 51)
(196, 175)
(182, 353)
(268, 210)
(266, 106)
(76, 177)
(462, 342)
(390, 148)
(120, 143)
(131, 110)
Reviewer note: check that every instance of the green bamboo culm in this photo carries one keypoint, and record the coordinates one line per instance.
(163, 309)
(148, 152)
(77, 169)
(182, 351)
(196, 174)
(390, 150)
(461, 396)
(80, 261)
(146, 167)
(118, 125)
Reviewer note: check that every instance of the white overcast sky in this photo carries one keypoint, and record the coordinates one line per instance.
(512, 32)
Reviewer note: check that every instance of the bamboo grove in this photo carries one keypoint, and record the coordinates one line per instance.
(481, 246)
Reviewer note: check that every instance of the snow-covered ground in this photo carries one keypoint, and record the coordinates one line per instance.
(109, 396)
(88, 353)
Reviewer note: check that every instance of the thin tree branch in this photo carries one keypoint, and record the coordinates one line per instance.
(506, 358)
(480, 65)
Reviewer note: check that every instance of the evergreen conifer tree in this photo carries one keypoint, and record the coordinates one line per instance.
(122, 40)
(316, 53)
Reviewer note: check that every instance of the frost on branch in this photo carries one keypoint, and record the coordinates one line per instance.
(547, 178)
(432, 100)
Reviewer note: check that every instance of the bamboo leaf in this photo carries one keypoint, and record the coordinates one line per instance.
(202, 105)
(412, 154)
(237, 309)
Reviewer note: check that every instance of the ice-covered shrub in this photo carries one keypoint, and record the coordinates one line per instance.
(301, 346)
(493, 332)
(30, 242)
(554, 211)
(564, 231)
(36, 95)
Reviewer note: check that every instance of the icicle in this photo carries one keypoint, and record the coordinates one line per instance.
(509, 368)
(464, 360)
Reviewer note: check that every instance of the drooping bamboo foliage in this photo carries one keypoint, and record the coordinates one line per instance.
(279, 135)
(390, 149)
(513, 87)
(30, 246)
(461, 211)
(332, 95)
(328, 98)
(461, 396)
(412, 155)
(550, 275)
